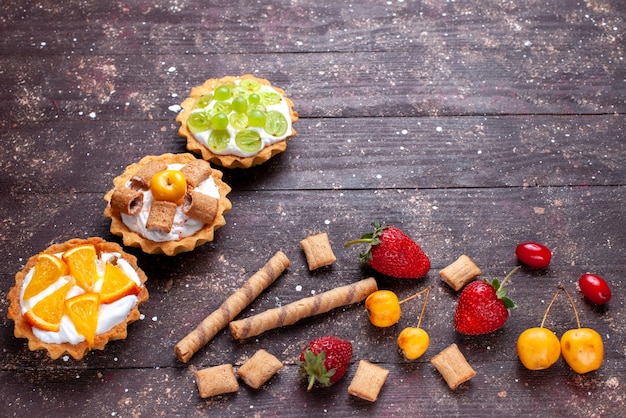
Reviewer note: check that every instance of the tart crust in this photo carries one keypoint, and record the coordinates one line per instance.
(204, 235)
(229, 160)
(23, 329)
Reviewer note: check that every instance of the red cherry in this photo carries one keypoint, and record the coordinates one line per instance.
(594, 288)
(533, 254)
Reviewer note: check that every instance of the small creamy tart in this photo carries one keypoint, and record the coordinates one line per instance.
(113, 314)
(161, 226)
(237, 122)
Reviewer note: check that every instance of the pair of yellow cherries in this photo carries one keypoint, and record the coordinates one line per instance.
(384, 311)
(539, 348)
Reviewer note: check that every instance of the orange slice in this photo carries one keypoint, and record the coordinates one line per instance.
(48, 270)
(83, 311)
(47, 313)
(116, 284)
(82, 263)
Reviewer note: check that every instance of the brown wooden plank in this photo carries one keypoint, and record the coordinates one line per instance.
(360, 84)
(234, 27)
(368, 153)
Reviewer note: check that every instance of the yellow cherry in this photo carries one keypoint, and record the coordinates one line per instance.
(582, 349)
(169, 185)
(538, 348)
(413, 342)
(383, 308)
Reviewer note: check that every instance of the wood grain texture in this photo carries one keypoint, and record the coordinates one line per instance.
(471, 125)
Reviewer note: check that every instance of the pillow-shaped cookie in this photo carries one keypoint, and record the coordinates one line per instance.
(167, 204)
(76, 296)
(237, 122)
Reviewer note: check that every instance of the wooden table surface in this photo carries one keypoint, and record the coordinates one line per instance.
(472, 125)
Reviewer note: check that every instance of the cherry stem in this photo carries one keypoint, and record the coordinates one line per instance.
(545, 315)
(509, 275)
(571, 301)
(415, 295)
(419, 322)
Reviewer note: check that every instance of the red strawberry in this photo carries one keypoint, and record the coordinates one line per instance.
(393, 253)
(325, 360)
(483, 307)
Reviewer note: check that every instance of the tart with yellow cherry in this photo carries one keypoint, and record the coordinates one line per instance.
(76, 296)
(167, 204)
(237, 122)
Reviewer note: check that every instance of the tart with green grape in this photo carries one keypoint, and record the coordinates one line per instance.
(237, 122)
(168, 204)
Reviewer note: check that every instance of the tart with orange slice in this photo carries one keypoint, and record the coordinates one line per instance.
(76, 297)
(168, 204)
(237, 122)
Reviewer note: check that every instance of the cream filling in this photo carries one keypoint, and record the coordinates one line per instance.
(183, 226)
(266, 139)
(109, 316)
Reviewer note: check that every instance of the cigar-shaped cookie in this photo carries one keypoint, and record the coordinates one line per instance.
(304, 308)
(143, 177)
(231, 307)
(127, 201)
(196, 172)
(200, 206)
(161, 215)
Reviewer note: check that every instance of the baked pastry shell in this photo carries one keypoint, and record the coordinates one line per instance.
(229, 160)
(133, 239)
(23, 329)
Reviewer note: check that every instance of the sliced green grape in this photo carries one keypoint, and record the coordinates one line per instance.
(276, 124)
(250, 85)
(257, 118)
(203, 101)
(198, 122)
(269, 98)
(248, 141)
(239, 121)
(256, 107)
(218, 140)
(239, 91)
(223, 107)
(254, 98)
(219, 121)
(222, 93)
(240, 105)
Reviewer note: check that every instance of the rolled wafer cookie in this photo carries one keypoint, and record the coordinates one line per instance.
(200, 206)
(143, 177)
(303, 308)
(127, 201)
(196, 172)
(161, 215)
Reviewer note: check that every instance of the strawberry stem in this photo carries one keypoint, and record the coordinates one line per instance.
(545, 315)
(358, 241)
(509, 275)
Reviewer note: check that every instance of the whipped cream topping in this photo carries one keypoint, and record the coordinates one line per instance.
(183, 225)
(266, 139)
(109, 316)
